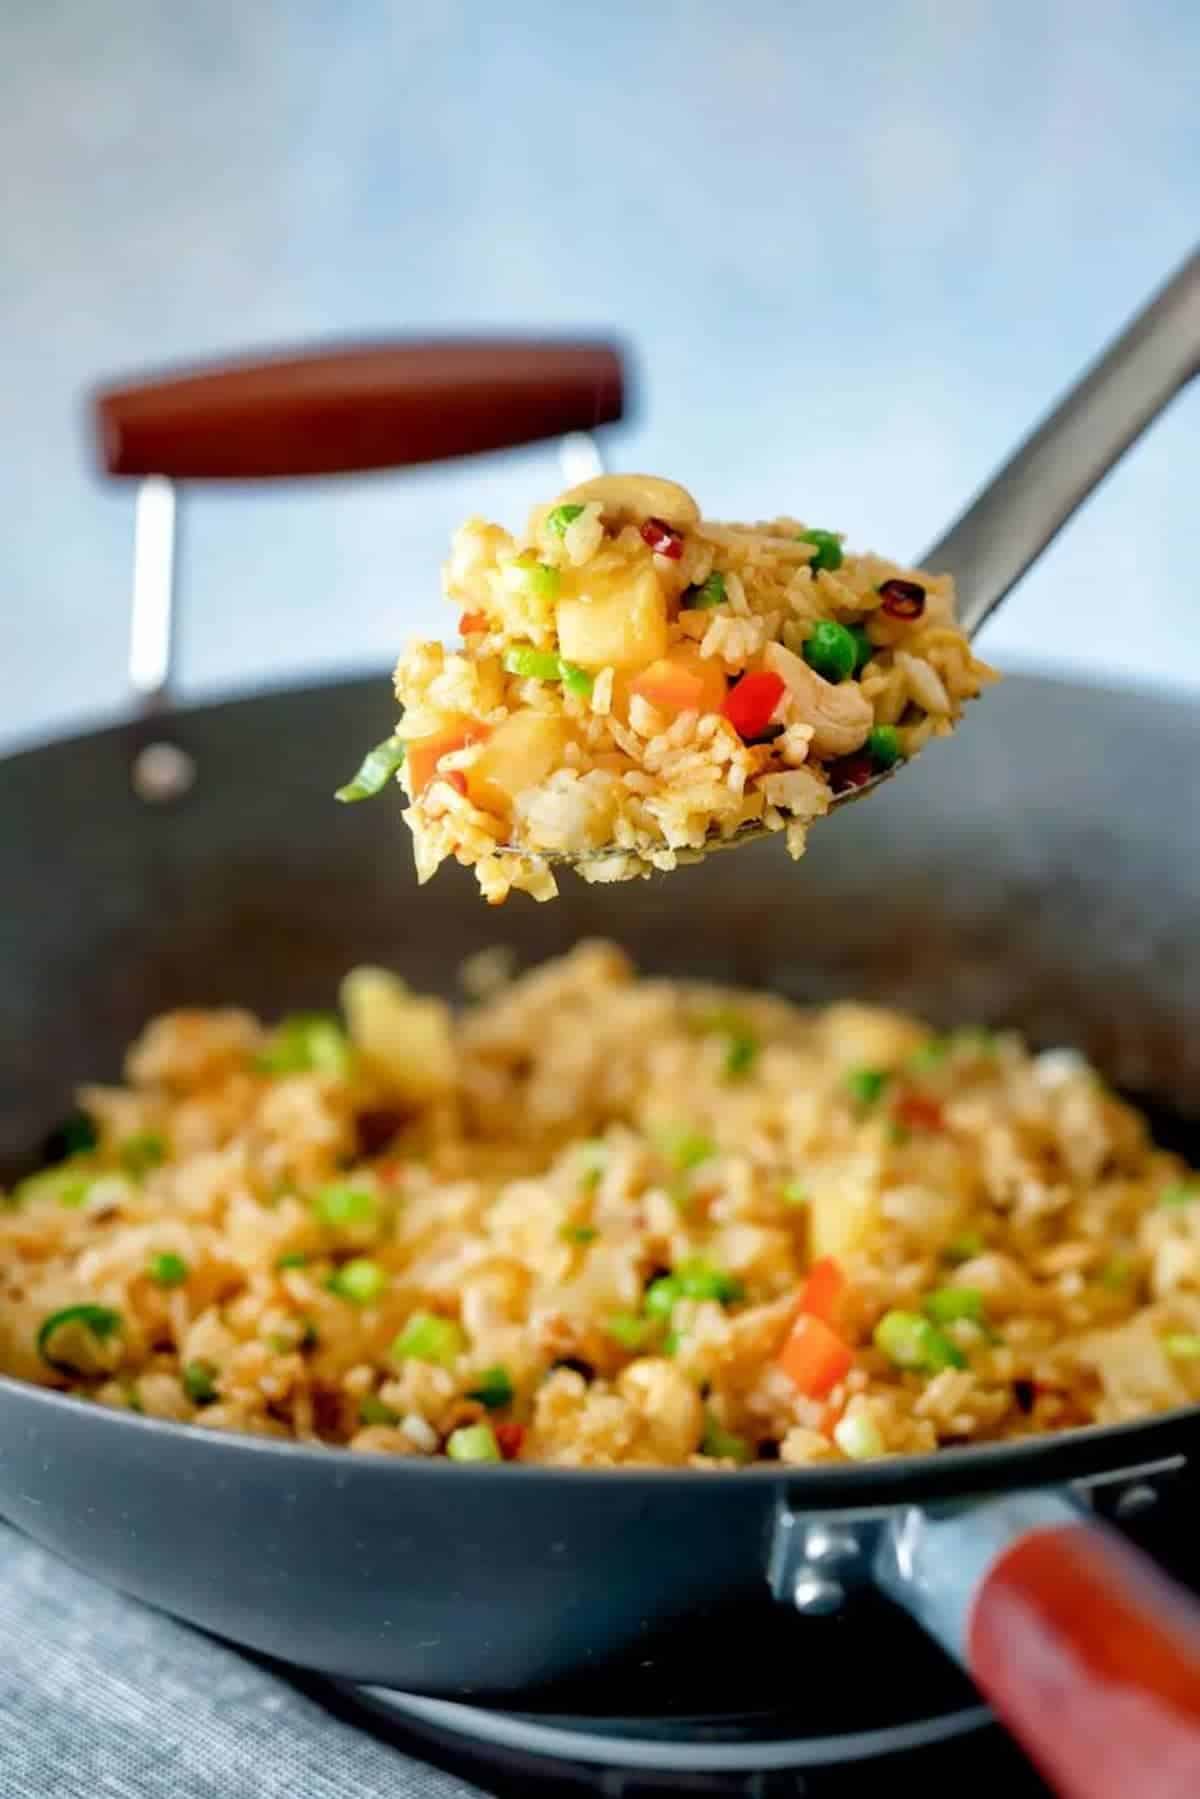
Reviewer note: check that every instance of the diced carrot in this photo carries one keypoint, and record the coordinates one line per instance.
(457, 780)
(749, 705)
(918, 1112)
(815, 1357)
(510, 1437)
(822, 1293)
(684, 681)
(424, 753)
(472, 623)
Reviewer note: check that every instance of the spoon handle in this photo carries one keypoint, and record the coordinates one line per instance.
(1048, 477)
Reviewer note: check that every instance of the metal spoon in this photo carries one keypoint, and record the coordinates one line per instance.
(1045, 481)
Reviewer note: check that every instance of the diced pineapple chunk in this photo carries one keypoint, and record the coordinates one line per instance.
(519, 754)
(621, 625)
(843, 1210)
(402, 1037)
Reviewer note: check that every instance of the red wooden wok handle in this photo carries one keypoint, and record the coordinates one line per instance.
(337, 411)
(1092, 1658)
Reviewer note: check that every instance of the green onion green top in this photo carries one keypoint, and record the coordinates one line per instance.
(562, 516)
(292, 1258)
(1182, 1345)
(700, 1280)
(951, 1303)
(63, 1185)
(306, 1043)
(828, 546)
(795, 1194)
(88, 1321)
(579, 1233)
(341, 1203)
(531, 664)
(141, 1153)
(359, 1280)
(883, 746)
(492, 1388)
(964, 1248)
(167, 1269)
(576, 680)
(831, 651)
(718, 1441)
(428, 1338)
(630, 1332)
(683, 1147)
(473, 1443)
(1182, 1194)
(911, 1341)
(931, 1054)
(708, 593)
(377, 768)
(866, 1085)
(200, 1382)
(661, 1296)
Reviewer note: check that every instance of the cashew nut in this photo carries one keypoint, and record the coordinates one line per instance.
(632, 498)
(840, 716)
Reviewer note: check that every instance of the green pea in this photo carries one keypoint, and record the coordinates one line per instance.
(828, 547)
(883, 746)
(831, 651)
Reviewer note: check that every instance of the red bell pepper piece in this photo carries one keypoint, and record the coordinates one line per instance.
(510, 1437)
(919, 1112)
(815, 1357)
(749, 705)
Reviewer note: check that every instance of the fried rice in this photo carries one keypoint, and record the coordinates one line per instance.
(599, 1220)
(636, 684)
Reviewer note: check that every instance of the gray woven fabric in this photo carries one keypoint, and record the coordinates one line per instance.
(102, 1699)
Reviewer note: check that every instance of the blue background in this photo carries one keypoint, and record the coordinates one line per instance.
(857, 248)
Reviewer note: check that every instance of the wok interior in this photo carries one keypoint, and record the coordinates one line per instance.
(1042, 870)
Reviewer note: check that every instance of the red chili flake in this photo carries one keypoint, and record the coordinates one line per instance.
(663, 539)
(457, 780)
(510, 1437)
(903, 599)
(851, 771)
(471, 624)
(919, 1112)
(749, 705)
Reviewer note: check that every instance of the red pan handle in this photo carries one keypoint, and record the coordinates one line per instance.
(1092, 1659)
(372, 406)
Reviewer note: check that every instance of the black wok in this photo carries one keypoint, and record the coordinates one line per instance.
(1043, 871)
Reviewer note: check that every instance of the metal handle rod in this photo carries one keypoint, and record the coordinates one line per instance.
(1049, 476)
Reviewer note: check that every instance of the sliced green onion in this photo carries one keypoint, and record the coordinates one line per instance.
(1116, 1274)
(576, 680)
(866, 1085)
(200, 1382)
(831, 651)
(493, 1388)
(97, 1322)
(683, 1147)
(61, 1185)
(949, 1304)
(359, 1280)
(141, 1153)
(377, 768)
(560, 517)
(629, 1331)
(342, 1204)
(526, 573)
(858, 1436)
(1182, 1194)
(726, 1444)
(864, 649)
(828, 546)
(167, 1269)
(292, 1258)
(741, 1054)
(582, 1234)
(671, 1343)
(371, 1410)
(593, 1159)
(428, 1338)
(307, 1043)
(473, 1443)
(533, 665)
(883, 746)
(661, 1296)
(700, 1280)
(1182, 1346)
(795, 1194)
(708, 593)
(931, 1054)
(911, 1341)
(964, 1248)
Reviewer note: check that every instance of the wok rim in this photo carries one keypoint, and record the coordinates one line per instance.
(1085, 1453)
